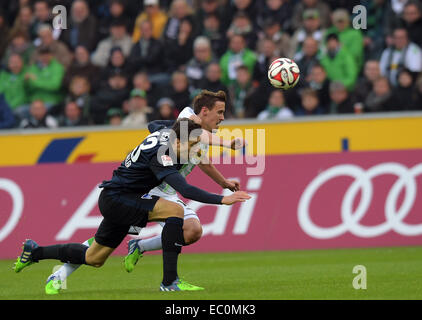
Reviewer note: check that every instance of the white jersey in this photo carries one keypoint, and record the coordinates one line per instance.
(164, 189)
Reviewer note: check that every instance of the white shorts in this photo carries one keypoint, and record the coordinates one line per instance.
(189, 213)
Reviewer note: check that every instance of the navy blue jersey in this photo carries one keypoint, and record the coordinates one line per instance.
(141, 171)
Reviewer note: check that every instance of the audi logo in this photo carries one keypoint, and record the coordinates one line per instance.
(17, 197)
(394, 215)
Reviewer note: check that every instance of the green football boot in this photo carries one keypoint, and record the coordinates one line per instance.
(25, 258)
(53, 286)
(134, 253)
(180, 285)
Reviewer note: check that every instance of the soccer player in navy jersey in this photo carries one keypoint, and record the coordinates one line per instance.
(208, 110)
(124, 202)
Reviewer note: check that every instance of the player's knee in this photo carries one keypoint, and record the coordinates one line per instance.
(95, 262)
(192, 232)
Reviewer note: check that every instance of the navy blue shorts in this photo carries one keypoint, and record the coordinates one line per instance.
(120, 211)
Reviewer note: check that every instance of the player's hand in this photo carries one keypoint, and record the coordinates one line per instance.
(238, 143)
(232, 185)
(238, 196)
(195, 118)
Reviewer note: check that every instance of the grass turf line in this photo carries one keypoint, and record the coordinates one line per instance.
(392, 273)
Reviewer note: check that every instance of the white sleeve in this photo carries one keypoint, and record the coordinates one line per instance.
(414, 58)
(186, 113)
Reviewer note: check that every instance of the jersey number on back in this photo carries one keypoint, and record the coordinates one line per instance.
(150, 142)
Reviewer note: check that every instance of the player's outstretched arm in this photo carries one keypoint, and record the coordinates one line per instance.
(214, 140)
(178, 183)
(210, 170)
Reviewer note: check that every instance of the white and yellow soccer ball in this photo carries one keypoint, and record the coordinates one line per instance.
(283, 73)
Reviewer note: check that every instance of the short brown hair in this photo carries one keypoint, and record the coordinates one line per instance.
(207, 99)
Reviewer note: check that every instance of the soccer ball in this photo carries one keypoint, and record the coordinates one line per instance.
(283, 73)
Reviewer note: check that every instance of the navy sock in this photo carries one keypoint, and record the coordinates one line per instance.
(67, 253)
(172, 241)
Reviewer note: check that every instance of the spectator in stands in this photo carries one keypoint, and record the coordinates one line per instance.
(38, 118)
(202, 57)
(402, 54)
(81, 27)
(12, 85)
(118, 11)
(237, 55)
(311, 28)
(82, 66)
(272, 30)
(403, 93)
(21, 45)
(155, 16)
(276, 108)
(249, 7)
(279, 10)
(114, 117)
(339, 63)
(147, 54)
(23, 22)
(179, 51)
(207, 8)
(139, 111)
(394, 12)
(412, 21)
(153, 91)
(180, 10)
(179, 90)
(376, 31)
(79, 92)
(241, 24)
(58, 49)
(118, 38)
(365, 84)
(117, 63)
(111, 94)
(324, 13)
(73, 116)
(318, 81)
(341, 101)
(350, 38)
(165, 110)
(381, 97)
(266, 49)
(42, 16)
(242, 93)
(306, 58)
(7, 119)
(44, 79)
(310, 104)
(212, 26)
(212, 80)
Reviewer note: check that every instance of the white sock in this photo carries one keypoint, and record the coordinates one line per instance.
(150, 244)
(68, 268)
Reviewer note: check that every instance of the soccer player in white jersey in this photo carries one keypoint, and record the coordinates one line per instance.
(208, 110)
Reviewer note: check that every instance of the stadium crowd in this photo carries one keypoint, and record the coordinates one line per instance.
(126, 62)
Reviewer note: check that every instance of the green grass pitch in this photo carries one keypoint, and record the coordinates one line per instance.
(392, 273)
